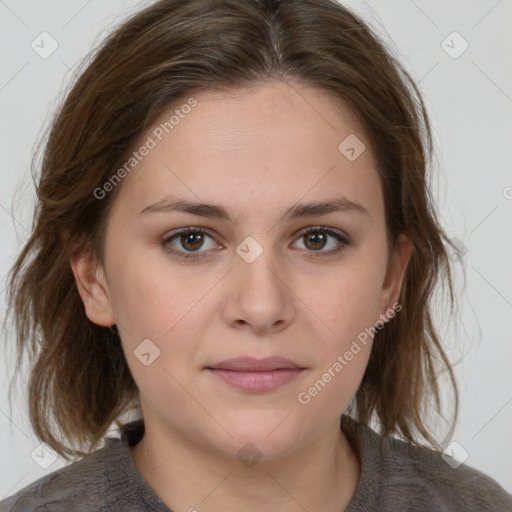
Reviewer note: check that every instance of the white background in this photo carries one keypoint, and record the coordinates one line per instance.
(470, 103)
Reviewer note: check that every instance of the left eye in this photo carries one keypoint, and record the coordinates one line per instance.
(317, 238)
(192, 240)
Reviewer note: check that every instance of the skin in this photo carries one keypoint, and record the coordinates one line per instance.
(257, 152)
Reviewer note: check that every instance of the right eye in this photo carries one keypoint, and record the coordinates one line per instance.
(190, 239)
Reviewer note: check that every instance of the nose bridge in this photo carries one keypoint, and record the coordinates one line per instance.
(259, 267)
(258, 294)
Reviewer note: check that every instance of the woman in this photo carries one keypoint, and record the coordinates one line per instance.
(234, 235)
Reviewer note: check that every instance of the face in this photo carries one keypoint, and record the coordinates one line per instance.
(252, 282)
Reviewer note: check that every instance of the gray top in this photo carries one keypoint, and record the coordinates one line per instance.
(395, 476)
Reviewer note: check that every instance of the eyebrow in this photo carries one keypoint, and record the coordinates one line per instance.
(315, 208)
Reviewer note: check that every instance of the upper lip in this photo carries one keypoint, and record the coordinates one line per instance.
(252, 364)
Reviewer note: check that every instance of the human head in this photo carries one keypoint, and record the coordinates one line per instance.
(165, 54)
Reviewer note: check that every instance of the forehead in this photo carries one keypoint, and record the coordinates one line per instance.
(267, 145)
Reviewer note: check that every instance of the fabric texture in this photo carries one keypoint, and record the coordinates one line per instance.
(394, 476)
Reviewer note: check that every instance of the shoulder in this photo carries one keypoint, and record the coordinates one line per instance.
(449, 486)
(418, 478)
(81, 485)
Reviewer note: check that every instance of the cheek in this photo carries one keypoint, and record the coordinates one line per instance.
(161, 321)
(346, 302)
(149, 295)
(347, 307)
(342, 350)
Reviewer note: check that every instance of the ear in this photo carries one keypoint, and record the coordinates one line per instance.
(395, 273)
(92, 286)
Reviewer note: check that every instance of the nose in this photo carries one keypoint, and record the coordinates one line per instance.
(259, 295)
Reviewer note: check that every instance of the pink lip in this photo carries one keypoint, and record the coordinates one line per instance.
(257, 375)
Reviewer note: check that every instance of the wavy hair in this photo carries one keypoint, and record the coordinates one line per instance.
(160, 55)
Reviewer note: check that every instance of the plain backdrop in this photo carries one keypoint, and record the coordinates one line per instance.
(466, 80)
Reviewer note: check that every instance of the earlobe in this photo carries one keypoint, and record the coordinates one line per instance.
(92, 287)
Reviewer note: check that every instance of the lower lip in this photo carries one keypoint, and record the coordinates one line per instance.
(256, 381)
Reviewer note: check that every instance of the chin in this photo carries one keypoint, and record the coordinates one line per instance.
(262, 437)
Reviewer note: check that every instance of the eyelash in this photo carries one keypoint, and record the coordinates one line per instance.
(315, 254)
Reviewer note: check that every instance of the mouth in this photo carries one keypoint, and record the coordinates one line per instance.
(256, 375)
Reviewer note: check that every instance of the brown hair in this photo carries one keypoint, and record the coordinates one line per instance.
(80, 382)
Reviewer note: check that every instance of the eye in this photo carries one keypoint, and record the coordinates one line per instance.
(190, 239)
(187, 242)
(317, 238)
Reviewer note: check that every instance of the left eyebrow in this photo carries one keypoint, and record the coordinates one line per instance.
(316, 208)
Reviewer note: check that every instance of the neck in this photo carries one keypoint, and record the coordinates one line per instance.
(320, 476)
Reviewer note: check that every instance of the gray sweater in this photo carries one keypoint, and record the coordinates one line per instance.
(395, 477)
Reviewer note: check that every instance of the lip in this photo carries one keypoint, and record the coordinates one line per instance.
(256, 375)
(253, 364)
